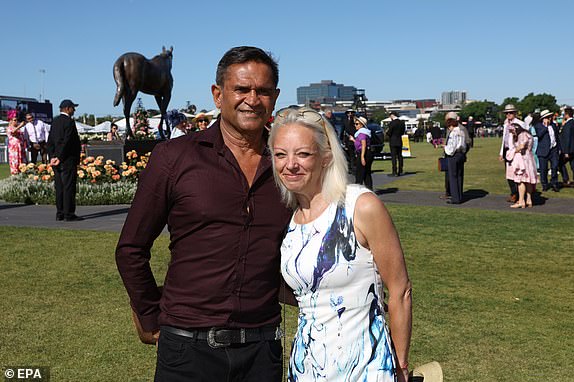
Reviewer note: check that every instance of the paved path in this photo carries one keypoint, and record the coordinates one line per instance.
(111, 218)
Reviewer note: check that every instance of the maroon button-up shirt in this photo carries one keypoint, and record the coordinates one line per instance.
(225, 238)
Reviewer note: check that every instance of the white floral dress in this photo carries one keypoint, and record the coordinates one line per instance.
(341, 334)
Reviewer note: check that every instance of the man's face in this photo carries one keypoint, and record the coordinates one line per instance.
(29, 118)
(70, 110)
(247, 97)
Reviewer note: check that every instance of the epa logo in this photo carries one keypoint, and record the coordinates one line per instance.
(27, 373)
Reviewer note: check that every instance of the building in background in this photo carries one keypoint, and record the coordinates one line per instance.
(325, 92)
(453, 98)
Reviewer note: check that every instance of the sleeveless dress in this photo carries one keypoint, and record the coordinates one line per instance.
(341, 333)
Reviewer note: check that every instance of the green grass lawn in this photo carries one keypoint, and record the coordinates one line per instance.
(493, 298)
(4, 170)
(482, 171)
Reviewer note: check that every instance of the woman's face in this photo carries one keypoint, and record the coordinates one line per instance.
(358, 124)
(202, 123)
(298, 161)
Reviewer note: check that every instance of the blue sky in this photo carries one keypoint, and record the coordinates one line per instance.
(394, 50)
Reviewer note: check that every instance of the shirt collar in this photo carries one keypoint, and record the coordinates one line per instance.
(213, 137)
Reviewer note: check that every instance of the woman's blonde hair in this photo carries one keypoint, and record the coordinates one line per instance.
(334, 182)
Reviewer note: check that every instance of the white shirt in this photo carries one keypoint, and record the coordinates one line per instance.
(36, 131)
(456, 142)
(552, 136)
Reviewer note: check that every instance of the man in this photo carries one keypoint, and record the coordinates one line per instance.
(455, 152)
(567, 145)
(64, 148)
(470, 128)
(395, 132)
(510, 113)
(331, 118)
(216, 192)
(548, 150)
(347, 134)
(36, 135)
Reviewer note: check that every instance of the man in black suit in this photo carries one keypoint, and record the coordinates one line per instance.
(395, 131)
(548, 150)
(567, 144)
(64, 148)
(347, 133)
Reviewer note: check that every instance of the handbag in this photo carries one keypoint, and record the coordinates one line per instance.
(442, 164)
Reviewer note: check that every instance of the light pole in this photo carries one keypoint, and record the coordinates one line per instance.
(42, 74)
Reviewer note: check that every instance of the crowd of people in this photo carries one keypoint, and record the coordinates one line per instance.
(537, 145)
(26, 137)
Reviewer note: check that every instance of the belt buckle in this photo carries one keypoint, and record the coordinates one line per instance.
(211, 341)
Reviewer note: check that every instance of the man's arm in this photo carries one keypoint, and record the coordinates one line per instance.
(145, 221)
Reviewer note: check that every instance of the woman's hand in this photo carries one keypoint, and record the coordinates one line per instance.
(363, 161)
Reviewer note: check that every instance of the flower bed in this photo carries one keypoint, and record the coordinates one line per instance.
(100, 181)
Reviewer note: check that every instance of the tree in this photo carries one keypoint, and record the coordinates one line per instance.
(379, 114)
(532, 102)
(480, 110)
(438, 117)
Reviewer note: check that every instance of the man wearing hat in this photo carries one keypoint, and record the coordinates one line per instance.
(548, 150)
(455, 151)
(395, 132)
(64, 149)
(510, 113)
(347, 133)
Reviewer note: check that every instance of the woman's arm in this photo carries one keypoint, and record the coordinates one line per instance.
(375, 230)
(363, 151)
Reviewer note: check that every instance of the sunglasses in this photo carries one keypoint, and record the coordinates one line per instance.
(309, 115)
(202, 120)
(358, 124)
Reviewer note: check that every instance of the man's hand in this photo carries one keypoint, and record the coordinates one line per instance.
(54, 161)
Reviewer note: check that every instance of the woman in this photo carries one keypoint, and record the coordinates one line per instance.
(178, 123)
(16, 142)
(202, 121)
(362, 139)
(113, 134)
(339, 249)
(522, 169)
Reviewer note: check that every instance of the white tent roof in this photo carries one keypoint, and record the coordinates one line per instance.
(83, 128)
(103, 127)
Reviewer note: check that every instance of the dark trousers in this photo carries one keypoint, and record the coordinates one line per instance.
(42, 151)
(182, 359)
(351, 156)
(552, 157)
(397, 156)
(363, 173)
(456, 176)
(65, 176)
(564, 169)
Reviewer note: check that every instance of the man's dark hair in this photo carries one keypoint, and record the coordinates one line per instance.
(241, 55)
(569, 111)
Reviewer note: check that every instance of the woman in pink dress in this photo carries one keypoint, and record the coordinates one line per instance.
(523, 166)
(16, 143)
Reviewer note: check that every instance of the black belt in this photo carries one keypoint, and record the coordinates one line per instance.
(223, 337)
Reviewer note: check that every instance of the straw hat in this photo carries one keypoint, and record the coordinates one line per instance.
(510, 108)
(361, 120)
(429, 372)
(451, 115)
(546, 114)
(202, 116)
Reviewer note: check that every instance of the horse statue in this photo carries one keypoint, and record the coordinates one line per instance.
(133, 72)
